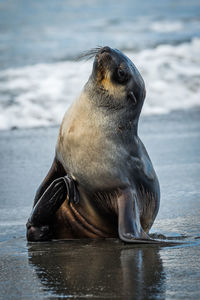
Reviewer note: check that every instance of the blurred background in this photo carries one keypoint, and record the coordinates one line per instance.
(40, 40)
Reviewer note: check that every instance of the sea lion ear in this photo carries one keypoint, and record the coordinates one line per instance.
(132, 98)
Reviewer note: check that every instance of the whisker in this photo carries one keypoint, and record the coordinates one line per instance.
(89, 54)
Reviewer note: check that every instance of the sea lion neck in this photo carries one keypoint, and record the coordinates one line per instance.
(118, 113)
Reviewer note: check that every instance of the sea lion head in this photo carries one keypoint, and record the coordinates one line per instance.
(116, 80)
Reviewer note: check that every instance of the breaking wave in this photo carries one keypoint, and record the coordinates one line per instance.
(38, 95)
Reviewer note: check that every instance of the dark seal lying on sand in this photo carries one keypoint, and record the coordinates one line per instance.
(102, 183)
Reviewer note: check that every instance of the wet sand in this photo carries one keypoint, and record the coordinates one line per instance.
(104, 269)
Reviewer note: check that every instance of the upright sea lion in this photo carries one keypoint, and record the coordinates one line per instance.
(102, 182)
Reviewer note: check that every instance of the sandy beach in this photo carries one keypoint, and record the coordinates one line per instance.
(104, 269)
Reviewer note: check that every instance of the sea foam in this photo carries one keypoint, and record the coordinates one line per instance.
(38, 95)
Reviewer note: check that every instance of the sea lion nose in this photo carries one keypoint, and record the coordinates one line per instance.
(105, 49)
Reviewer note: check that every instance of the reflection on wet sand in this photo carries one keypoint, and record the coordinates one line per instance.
(103, 269)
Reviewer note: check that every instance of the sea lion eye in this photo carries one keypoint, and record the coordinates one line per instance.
(121, 75)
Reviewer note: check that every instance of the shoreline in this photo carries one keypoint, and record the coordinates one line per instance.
(171, 115)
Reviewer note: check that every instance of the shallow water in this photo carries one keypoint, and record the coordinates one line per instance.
(104, 268)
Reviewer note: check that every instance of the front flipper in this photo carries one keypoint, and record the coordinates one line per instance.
(129, 226)
(39, 225)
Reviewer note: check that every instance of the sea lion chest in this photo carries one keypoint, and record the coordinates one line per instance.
(87, 149)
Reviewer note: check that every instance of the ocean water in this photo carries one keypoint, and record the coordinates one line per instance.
(40, 41)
